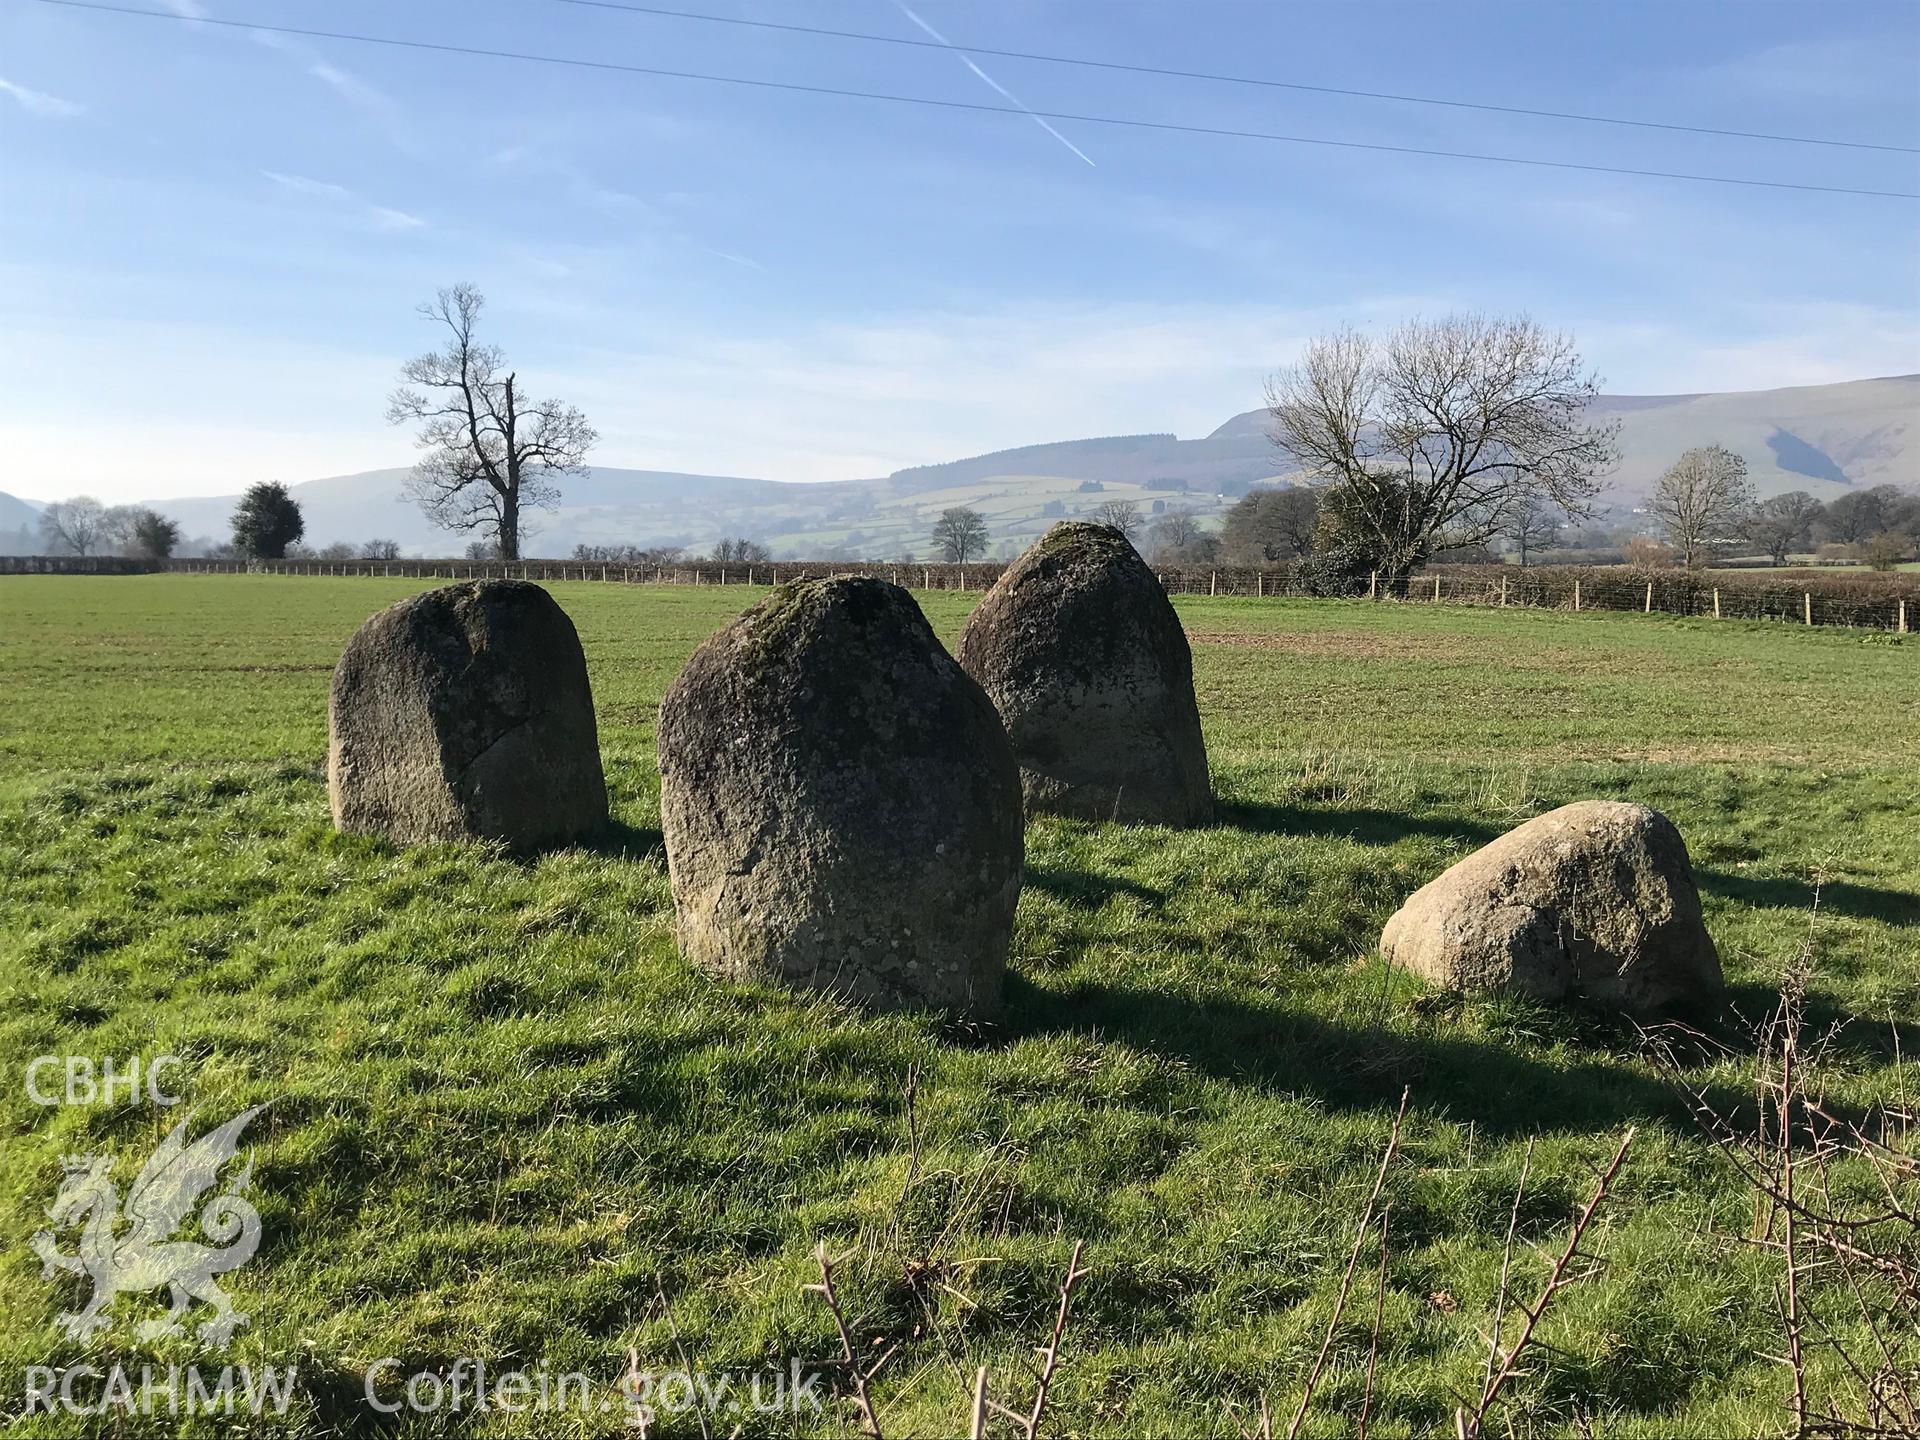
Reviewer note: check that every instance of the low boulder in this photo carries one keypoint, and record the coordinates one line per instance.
(1080, 651)
(465, 714)
(840, 806)
(1594, 901)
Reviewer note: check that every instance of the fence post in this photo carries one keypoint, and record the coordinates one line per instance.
(926, 578)
(1576, 597)
(1649, 607)
(1436, 589)
(1503, 589)
(1807, 596)
(1903, 617)
(1213, 583)
(1259, 584)
(1716, 602)
(1373, 585)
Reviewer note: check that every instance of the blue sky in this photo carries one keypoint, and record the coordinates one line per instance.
(212, 240)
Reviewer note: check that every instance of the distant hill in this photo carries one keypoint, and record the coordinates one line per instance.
(19, 525)
(1825, 439)
(15, 512)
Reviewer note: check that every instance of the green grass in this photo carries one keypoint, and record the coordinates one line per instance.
(501, 1104)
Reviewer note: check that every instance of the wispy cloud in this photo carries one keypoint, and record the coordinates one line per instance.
(740, 260)
(302, 185)
(383, 216)
(390, 219)
(349, 87)
(997, 87)
(38, 102)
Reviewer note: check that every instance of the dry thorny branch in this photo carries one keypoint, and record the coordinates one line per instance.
(1360, 1234)
(1027, 1420)
(1503, 1363)
(932, 1267)
(1837, 1198)
(859, 1374)
(632, 1380)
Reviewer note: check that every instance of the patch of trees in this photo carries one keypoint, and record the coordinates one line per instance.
(1178, 538)
(83, 526)
(742, 551)
(1707, 509)
(630, 554)
(1267, 527)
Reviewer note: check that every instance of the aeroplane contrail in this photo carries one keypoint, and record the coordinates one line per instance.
(998, 87)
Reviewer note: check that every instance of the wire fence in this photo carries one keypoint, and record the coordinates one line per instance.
(1866, 601)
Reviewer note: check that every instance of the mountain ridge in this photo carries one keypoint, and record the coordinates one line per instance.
(1825, 439)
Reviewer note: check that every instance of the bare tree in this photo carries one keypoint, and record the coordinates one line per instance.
(1122, 515)
(1702, 501)
(380, 550)
(491, 453)
(960, 534)
(73, 527)
(1438, 430)
(116, 527)
(1532, 523)
(1778, 524)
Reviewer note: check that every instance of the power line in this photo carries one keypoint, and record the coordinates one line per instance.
(1091, 64)
(792, 87)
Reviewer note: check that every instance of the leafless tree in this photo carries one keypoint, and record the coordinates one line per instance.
(1532, 523)
(1778, 524)
(380, 550)
(1122, 515)
(1702, 501)
(73, 526)
(490, 452)
(1437, 430)
(116, 527)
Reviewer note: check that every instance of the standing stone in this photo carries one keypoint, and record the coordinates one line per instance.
(1594, 900)
(840, 806)
(1080, 650)
(465, 714)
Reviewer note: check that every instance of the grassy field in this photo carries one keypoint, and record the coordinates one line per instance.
(503, 1110)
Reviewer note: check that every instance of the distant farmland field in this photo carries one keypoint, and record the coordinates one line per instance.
(504, 1112)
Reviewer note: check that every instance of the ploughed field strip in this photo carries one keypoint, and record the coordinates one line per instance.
(505, 1110)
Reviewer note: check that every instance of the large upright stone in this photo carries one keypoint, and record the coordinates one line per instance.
(1594, 900)
(840, 806)
(465, 714)
(1079, 648)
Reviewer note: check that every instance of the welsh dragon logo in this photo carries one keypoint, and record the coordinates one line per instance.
(146, 1255)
